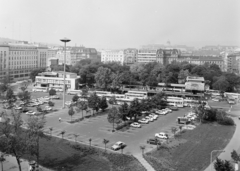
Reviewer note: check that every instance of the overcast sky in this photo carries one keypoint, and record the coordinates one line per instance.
(122, 23)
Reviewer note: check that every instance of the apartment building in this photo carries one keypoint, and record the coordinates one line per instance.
(17, 60)
(146, 55)
(112, 56)
(56, 80)
(130, 56)
(167, 56)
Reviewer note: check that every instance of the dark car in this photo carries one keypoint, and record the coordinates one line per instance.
(153, 141)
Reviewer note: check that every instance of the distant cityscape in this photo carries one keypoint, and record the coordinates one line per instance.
(19, 58)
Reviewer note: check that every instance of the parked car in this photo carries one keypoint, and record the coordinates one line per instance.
(154, 116)
(149, 118)
(153, 141)
(161, 135)
(135, 124)
(168, 110)
(31, 113)
(189, 127)
(55, 97)
(215, 100)
(68, 103)
(17, 108)
(48, 108)
(173, 108)
(143, 120)
(118, 145)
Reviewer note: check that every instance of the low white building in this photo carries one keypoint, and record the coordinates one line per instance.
(55, 80)
(112, 56)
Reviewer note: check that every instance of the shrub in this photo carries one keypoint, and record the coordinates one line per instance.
(226, 121)
(52, 92)
(124, 124)
(50, 103)
(75, 98)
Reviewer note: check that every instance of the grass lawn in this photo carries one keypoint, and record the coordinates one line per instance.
(191, 150)
(62, 155)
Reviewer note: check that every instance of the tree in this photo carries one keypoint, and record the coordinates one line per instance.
(105, 142)
(2, 159)
(62, 133)
(103, 78)
(52, 92)
(51, 129)
(81, 106)
(174, 130)
(93, 102)
(221, 84)
(113, 116)
(142, 147)
(14, 140)
(50, 103)
(134, 109)
(4, 84)
(10, 97)
(75, 98)
(35, 131)
(90, 140)
(235, 156)
(75, 135)
(35, 73)
(112, 100)
(103, 103)
(24, 95)
(116, 80)
(84, 93)
(221, 165)
(71, 112)
(39, 109)
(123, 111)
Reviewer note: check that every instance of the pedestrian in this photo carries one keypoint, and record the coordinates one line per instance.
(60, 119)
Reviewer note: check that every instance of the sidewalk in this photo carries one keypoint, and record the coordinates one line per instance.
(234, 144)
(144, 162)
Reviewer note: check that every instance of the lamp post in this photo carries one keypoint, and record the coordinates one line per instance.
(211, 157)
(65, 40)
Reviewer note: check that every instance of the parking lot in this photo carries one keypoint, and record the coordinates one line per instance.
(98, 128)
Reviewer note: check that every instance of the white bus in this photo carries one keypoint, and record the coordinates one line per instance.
(190, 102)
(74, 92)
(175, 101)
(40, 89)
(106, 94)
(136, 95)
(232, 95)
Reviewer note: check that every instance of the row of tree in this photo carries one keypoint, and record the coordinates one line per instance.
(112, 75)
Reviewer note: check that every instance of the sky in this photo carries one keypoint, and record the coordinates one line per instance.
(115, 24)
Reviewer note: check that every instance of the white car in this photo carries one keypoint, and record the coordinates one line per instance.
(149, 118)
(161, 135)
(189, 127)
(18, 108)
(68, 103)
(118, 145)
(169, 110)
(31, 113)
(48, 108)
(153, 116)
(143, 120)
(163, 112)
(215, 100)
(135, 124)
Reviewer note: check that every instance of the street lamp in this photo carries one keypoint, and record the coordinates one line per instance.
(65, 40)
(211, 156)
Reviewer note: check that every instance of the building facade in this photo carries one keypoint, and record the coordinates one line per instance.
(108, 56)
(146, 55)
(130, 56)
(17, 60)
(56, 80)
(167, 56)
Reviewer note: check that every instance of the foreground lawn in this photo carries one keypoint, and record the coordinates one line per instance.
(191, 150)
(62, 155)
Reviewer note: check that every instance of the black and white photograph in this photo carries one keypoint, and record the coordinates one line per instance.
(119, 85)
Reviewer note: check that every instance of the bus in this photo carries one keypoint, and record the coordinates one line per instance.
(231, 100)
(103, 93)
(190, 102)
(232, 95)
(171, 87)
(213, 92)
(74, 92)
(136, 95)
(40, 89)
(175, 101)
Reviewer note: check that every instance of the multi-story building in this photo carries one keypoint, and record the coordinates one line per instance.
(112, 56)
(56, 80)
(130, 56)
(76, 54)
(146, 55)
(51, 54)
(167, 56)
(17, 60)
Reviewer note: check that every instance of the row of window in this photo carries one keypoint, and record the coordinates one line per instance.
(52, 81)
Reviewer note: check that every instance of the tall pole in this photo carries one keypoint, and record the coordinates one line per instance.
(211, 167)
(65, 40)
